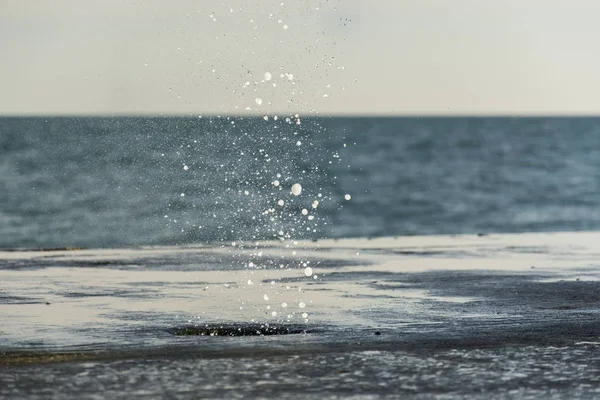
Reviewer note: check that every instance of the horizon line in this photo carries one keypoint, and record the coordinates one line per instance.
(302, 116)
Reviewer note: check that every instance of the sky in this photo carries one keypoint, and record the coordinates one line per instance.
(352, 57)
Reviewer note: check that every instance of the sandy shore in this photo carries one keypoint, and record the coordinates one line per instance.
(530, 298)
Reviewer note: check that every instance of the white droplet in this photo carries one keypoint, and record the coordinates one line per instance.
(250, 282)
(285, 26)
(258, 100)
(182, 195)
(298, 143)
(302, 304)
(315, 204)
(281, 203)
(304, 315)
(246, 192)
(284, 305)
(308, 271)
(347, 197)
(268, 76)
(185, 167)
(275, 183)
(304, 211)
(296, 189)
(266, 297)
(311, 217)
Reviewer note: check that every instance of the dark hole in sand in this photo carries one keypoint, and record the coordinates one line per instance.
(238, 330)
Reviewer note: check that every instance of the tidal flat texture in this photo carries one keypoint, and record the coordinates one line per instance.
(500, 316)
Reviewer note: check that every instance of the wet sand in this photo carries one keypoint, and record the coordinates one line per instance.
(511, 316)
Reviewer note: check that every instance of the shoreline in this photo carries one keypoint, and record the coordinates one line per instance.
(415, 316)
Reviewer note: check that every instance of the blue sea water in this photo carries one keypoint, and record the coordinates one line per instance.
(122, 181)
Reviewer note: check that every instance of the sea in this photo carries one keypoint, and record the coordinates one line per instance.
(104, 182)
(299, 257)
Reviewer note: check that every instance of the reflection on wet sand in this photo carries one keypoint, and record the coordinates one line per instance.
(417, 295)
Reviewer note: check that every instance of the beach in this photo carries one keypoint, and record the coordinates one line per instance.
(511, 316)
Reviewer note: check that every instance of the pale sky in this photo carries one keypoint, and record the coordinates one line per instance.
(346, 57)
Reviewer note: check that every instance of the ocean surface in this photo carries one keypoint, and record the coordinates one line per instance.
(114, 182)
(156, 257)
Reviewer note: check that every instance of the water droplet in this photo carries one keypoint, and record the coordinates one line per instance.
(268, 76)
(258, 100)
(302, 304)
(347, 197)
(308, 271)
(296, 189)
(275, 183)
